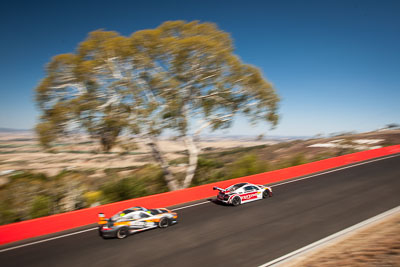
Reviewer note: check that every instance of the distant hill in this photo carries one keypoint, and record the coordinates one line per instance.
(11, 130)
(217, 137)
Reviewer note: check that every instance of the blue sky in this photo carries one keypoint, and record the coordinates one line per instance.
(335, 64)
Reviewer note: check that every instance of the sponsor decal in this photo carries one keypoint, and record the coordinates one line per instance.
(149, 224)
(249, 196)
(137, 223)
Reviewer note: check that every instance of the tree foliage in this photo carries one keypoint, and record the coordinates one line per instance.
(153, 80)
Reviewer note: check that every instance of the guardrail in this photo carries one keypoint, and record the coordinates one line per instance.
(69, 220)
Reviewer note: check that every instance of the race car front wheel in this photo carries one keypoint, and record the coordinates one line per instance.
(236, 201)
(122, 232)
(267, 193)
(163, 223)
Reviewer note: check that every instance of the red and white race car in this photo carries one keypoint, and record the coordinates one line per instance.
(242, 193)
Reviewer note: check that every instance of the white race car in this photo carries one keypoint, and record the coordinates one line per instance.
(242, 193)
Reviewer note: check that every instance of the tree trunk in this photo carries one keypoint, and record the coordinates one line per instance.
(169, 178)
(193, 157)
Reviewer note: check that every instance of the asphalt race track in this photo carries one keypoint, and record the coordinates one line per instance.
(249, 235)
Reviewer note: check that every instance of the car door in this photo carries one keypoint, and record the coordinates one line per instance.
(136, 221)
(259, 192)
(250, 194)
(147, 220)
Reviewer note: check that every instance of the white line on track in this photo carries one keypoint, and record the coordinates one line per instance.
(185, 207)
(201, 203)
(335, 170)
(48, 239)
(281, 260)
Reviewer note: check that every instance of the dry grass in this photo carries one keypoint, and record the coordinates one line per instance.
(374, 245)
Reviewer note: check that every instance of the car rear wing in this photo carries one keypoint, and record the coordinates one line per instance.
(102, 219)
(219, 189)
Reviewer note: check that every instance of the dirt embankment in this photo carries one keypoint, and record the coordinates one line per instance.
(374, 245)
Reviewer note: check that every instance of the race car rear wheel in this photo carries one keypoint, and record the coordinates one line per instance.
(267, 193)
(236, 201)
(122, 232)
(164, 222)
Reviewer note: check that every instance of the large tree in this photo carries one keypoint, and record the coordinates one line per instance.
(180, 76)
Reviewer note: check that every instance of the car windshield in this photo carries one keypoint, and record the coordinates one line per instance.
(121, 214)
(235, 186)
(138, 208)
(157, 211)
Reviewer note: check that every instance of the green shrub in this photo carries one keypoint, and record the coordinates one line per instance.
(208, 171)
(145, 181)
(209, 163)
(8, 214)
(41, 206)
(298, 159)
(123, 189)
(322, 156)
(345, 151)
(92, 197)
(182, 160)
(293, 161)
(241, 150)
(114, 171)
(248, 165)
(153, 178)
(29, 175)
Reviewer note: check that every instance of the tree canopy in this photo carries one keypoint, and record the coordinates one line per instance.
(153, 80)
